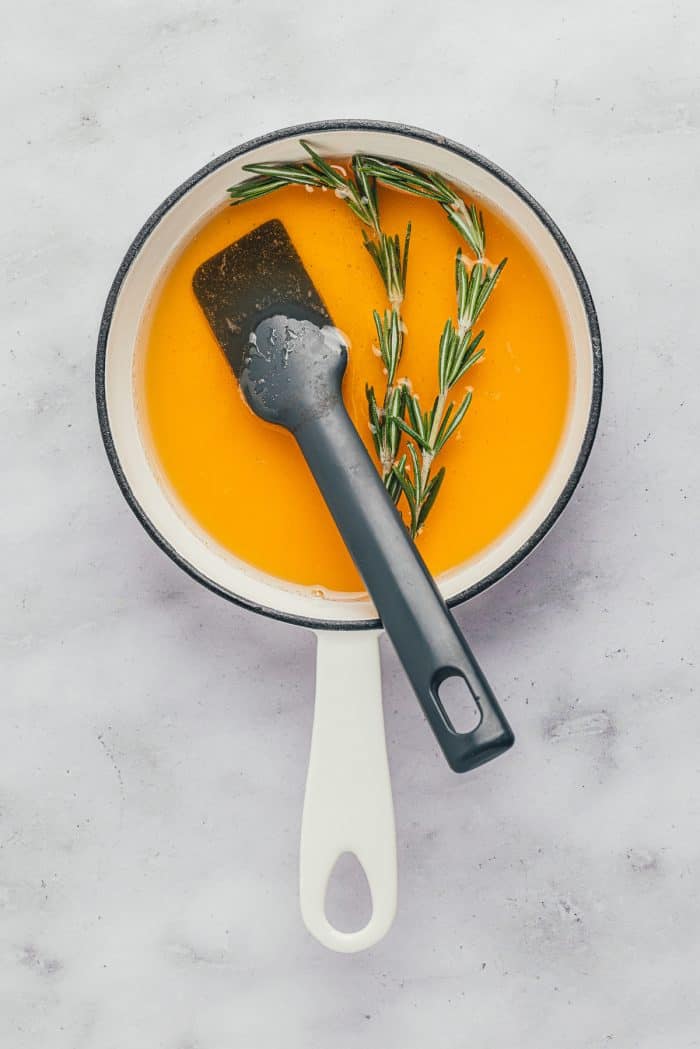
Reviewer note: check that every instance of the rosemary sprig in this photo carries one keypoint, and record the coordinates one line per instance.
(475, 282)
(459, 349)
(386, 433)
(430, 431)
(464, 217)
(408, 473)
(360, 195)
(392, 263)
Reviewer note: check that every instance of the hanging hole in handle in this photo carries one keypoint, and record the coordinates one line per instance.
(457, 702)
(348, 905)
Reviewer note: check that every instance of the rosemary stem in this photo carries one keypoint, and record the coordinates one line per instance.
(386, 458)
(427, 462)
(428, 456)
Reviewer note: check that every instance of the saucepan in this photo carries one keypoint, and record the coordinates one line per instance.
(348, 804)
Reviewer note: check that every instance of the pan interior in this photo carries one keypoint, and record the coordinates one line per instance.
(136, 466)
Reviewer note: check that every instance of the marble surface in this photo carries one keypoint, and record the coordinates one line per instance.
(154, 739)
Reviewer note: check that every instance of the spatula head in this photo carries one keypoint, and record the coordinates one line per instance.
(293, 370)
(259, 276)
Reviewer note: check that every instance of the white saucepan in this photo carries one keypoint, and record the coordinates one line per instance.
(348, 805)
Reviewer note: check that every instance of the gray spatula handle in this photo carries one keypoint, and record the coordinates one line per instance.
(425, 635)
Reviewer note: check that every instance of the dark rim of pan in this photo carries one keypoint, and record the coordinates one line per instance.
(296, 132)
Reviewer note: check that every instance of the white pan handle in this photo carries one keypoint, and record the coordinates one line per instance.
(348, 805)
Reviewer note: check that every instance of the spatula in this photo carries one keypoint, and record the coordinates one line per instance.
(279, 339)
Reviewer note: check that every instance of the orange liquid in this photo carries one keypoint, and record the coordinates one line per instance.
(245, 480)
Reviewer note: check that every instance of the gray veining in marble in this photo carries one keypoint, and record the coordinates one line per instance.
(153, 739)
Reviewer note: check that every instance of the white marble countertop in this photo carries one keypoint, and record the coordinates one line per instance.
(154, 739)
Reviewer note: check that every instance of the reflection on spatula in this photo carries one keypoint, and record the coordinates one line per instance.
(277, 334)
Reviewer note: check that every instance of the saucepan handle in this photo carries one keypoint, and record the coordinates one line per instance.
(348, 805)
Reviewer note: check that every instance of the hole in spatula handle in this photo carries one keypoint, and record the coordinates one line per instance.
(458, 703)
(465, 716)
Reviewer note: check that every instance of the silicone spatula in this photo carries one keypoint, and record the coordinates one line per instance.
(278, 336)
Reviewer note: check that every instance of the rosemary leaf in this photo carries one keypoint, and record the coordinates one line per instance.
(391, 481)
(431, 494)
(447, 431)
(468, 222)
(439, 441)
(417, 485)
(301, 174)
(445, 351)
(374, 421)
(415, 414)
(417, 437)
(367, 187)
(255, 187)
(331, 174)
(469, 361)
(404, 481)
(489, 284)
(408, 179)
(391, 262)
